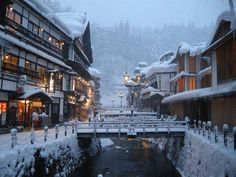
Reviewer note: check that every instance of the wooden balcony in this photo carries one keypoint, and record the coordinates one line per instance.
(14, 69)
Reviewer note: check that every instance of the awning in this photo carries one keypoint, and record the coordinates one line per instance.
(82, 98)
(36, 93)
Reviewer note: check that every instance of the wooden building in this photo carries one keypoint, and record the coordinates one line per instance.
(35, 72)
(214, 99)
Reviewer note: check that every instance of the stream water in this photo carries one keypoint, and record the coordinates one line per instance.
(128, 158)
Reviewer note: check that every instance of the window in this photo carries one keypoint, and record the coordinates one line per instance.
(180, 64)
(11, 14)
(10, 63)
(42, 74)
(226, 62)
(192, 64)
(10, 59)
(30, 65)
(192, 83)
(181, 85)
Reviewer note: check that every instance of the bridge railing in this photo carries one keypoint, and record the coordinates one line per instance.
(140, 126)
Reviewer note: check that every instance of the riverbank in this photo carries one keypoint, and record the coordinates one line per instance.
(202, 157)
(58, 157)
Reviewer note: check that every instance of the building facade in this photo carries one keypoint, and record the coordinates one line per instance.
(35, 70)
(213, 97)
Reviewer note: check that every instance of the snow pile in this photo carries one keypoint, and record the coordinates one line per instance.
(106, 142)
(18, 161)
(63, 154)
(199, 157)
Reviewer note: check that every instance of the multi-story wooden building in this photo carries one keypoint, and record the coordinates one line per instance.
(214, 95)
(157, 77)
(36, 72)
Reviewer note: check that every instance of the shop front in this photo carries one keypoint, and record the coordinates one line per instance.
(33, 101)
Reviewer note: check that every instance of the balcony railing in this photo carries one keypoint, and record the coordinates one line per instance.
(14, 69)
(32, 36)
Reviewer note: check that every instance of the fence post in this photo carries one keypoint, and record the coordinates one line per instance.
(209, 129)
(225, 131)
(13, 137)
(234, 133)
(32, 136)
(45, 133)
(195, 125)
(199, 127)
(95, 127)
(188, 122)
(65, 125)
(216, 133)
(57, 130)
(203, 128)
(73, 127)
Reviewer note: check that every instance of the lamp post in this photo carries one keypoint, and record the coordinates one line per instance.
(121, 95)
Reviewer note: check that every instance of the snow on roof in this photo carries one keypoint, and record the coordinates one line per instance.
(142, 64)
(94, 72)
(137, 69)
(158, 68)
(203, 92)
(169, 52)
(76, 21)
(224, 16)
(49, 14)
(33, 50)
(148, 90)
(29, 93)
(157, 92)
(182, 73)
(195, 50)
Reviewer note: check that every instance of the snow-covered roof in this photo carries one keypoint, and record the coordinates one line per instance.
(76, 21)
(148, 90)
(137, 69)
(32, 92)
(228, 16)
(33, 50)
(158, 68)
(94, 72)
(203, 92)
(169, 52)
(49, 14)
(182, 73)
(142, 64)
(195, 50)
(157, 93)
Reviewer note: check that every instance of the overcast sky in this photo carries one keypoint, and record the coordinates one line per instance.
(149, 12)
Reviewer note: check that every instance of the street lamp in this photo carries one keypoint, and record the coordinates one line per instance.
(126, 77)
(121, 95)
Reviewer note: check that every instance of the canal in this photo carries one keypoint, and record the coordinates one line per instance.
(128, 158)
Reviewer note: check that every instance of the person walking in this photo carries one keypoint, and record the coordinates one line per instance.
(35, 118)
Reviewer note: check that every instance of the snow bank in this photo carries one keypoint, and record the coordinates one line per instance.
(204, 158)
(105, 142)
